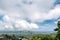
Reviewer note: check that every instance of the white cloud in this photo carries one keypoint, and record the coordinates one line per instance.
(18, 24)
(52, 14)
(15, 12)
(23, 8)
(2, 27)
(8, 27)
(22, 24)
(34, 26)
(6, 18)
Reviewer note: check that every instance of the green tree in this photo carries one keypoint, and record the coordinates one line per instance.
(58, 31)
(8, 36)
(13, 37)
(36, 38)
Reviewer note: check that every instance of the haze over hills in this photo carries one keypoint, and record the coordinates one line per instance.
(26, 32)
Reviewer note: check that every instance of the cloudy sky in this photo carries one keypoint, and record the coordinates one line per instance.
(37, 15)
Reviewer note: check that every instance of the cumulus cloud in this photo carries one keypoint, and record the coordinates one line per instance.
(19, 25)
(15, 11)
(52, 14)
(25, 25)
(22, 7)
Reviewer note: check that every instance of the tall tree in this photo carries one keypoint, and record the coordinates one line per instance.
(58, 31)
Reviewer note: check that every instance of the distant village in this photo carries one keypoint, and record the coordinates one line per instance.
(7, 37)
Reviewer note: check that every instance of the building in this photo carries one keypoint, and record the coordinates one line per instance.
(20, 38)
(3, 38)
(24, 39)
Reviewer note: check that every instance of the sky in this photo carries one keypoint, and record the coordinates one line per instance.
(33, 15)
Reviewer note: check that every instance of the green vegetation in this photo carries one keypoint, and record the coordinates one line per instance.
(58, 31)
(44, 37)
(52, 36)
(33, 37)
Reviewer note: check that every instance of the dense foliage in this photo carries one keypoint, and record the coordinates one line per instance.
(58, 31)
(34, 37)
(44, 37)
